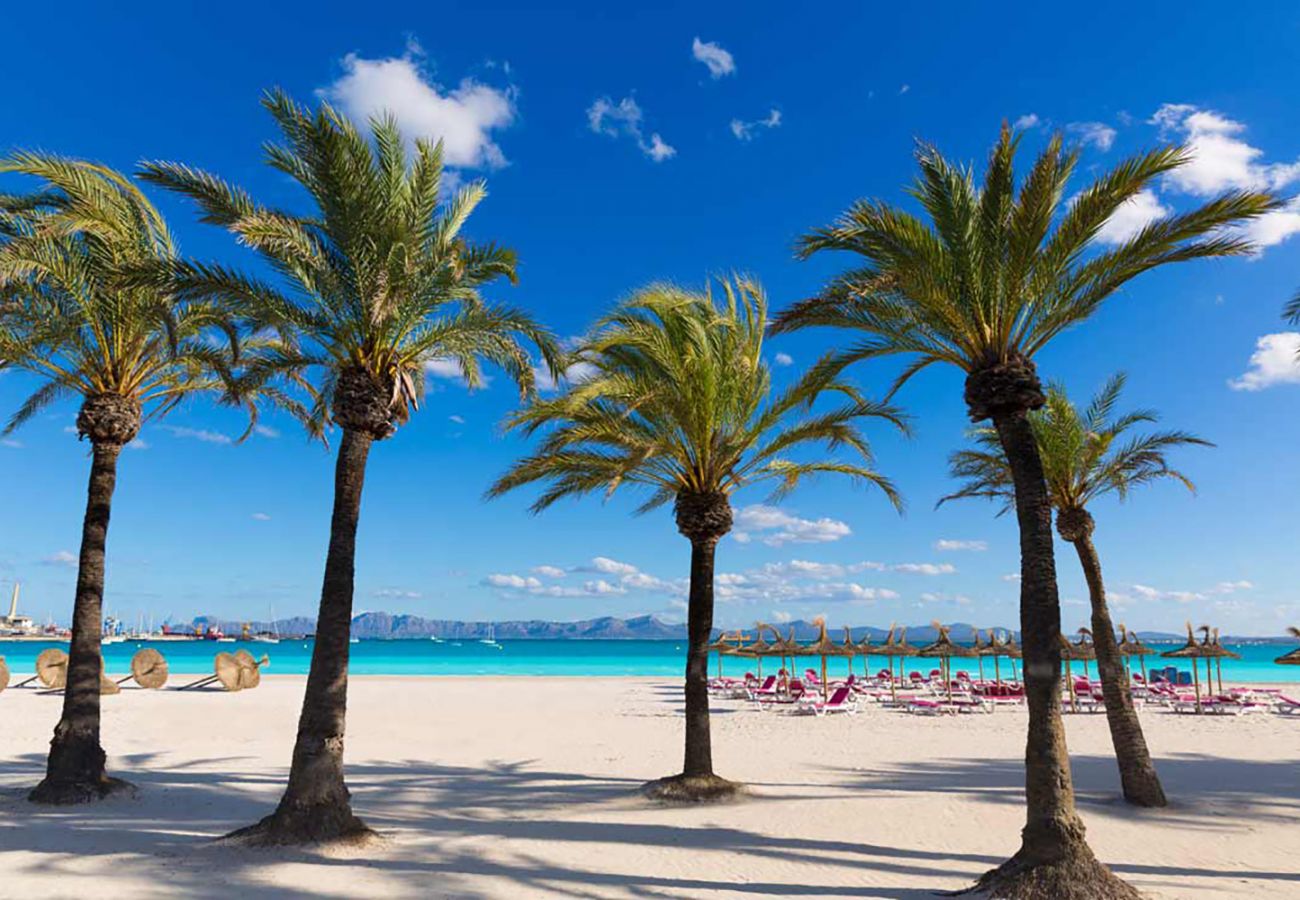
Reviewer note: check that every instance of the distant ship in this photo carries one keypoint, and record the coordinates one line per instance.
(14, 627)
(491, 639)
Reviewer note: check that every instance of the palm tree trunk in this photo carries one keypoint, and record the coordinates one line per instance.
(1054, 859)
(699, 748)
(75, 768)
(316, 806)
(1137, 773)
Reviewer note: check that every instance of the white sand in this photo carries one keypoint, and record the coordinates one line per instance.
(507, 787)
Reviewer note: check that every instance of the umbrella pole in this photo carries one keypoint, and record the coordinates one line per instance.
(980, 660)
(893, 686)
(997, 672)
(1218, 670)
(1196, 680)
(1142, 661)
(946, 666)
(1069, 679)
(824, 696)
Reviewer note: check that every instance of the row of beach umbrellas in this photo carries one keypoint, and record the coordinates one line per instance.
(896, 647)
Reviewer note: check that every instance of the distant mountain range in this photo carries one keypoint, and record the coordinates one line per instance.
(397, 626)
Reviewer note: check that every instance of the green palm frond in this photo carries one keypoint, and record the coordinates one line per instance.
(1086, 453)
(378, 277)
(992, 272)
(676, 398)
(78, 312)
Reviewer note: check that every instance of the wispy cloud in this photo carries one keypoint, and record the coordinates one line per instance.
(199, 434)
(1094, 134)
(783, 359)
(624, 119)
(718, 61)
(1028, 120)
(949, 544)
(744, 131)
(1134, 214)
(62, 558)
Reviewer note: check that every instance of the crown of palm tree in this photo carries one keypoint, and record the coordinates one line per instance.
(997, 271)
(1084, 453)
(675, 397)
(379, 279)
(70, 312)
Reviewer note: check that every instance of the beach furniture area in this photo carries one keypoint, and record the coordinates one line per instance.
(232, 672)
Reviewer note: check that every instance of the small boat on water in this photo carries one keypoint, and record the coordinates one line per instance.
(355, 640)
(436, 639)
(491, 639)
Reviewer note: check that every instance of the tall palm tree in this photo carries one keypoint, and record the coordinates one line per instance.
(676, 399)
(986, 279)
(1085, 456)
(129, 353)
(378, 283)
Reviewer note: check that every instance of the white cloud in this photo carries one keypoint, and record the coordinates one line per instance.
(783, 359)
(744, 131)
(138, 444)
(925, 568)
(1274, 227)
(199, 434)
(459, 420)
(1132, 216)
(785, 528)
(1028, 120)
(601, 586)
(1012, 577)
(548, 571)
(904, 89)
(266, 431)
(260, 517)
(1220, 159)
(512, 581)
(609, 566)
(574, 374)
(780, 615)
(11, 442)
(396, 593)
(1097, 134)
(65, 558)
(949, 544)
(1231, 587)
(463, 117)
(718, 60)
(1273, 362)
(449, 370)
(624, 119)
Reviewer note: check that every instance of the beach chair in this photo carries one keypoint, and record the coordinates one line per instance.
(840, 701)
(1287, 706)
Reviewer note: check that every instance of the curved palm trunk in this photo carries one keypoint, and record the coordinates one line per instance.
(699, 748)
(75, 768)
(316, 805)
(1137, 773)
(1054, 859)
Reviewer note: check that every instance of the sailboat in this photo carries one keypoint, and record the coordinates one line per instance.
(491, 639)
(271, 637)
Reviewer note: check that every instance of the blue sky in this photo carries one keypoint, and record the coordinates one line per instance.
(627, 146)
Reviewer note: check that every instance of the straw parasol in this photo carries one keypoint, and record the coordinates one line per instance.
(759, 648)
(148, 668)
(1292, 658)
(52, 667)
(1006, 646)
(250, 669)
(982, 649)
(943, 649)
(4, 674)
(1215, 651)
(725, 644)
(897, 649)
(1130, 646)
(825, 647)
(227, 670)
(1080, 650)
(866, 650)
(1191, 650)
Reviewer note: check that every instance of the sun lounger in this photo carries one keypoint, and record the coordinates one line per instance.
(842, 701)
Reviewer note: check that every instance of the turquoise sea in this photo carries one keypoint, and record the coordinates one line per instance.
(566, 657)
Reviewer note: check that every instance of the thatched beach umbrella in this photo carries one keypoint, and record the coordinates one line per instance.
(725, 645)
(250, 669)
(825, 647)
(1130, 645)
(1292, 658)
(943, 649)
(227, 671)
(1071, 651)
(758, 648)
(1004, 646)
(982, 649)
(1191, 650)
(866, 650)
(1214, 650)
(897, 649)
(52, 667)
(148, 668)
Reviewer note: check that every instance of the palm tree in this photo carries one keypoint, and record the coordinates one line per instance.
(129, 353)
(676, 398)
(990, 279)
(379, 283)
(1083, 459)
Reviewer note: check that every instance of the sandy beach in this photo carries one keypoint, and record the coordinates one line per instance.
(515, 787)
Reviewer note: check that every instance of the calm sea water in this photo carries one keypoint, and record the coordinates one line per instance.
(423, 657)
